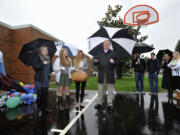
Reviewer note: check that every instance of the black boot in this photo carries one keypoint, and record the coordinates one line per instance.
(60, 103)
(67, 102)
(39, 101)
(46, 97)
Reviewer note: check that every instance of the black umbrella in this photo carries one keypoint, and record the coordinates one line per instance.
(122, 42)
(161, 53)
(8, 83)
(142, 48)
(31, 49)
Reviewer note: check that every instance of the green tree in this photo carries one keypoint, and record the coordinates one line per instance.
(178, 46)
(113, 19)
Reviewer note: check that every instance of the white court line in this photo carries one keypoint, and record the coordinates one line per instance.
(56, 130)
(87, 100)
(66, 129)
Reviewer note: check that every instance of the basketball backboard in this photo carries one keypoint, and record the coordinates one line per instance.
(141, 15)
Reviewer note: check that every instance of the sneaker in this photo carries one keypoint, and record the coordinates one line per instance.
(155, 94)
(142, 93)
(97, 106)
(77, 107)
(151, 93)
(49, 111)
(137, 93)
(110, 108)
(114, 92)
(40, 114)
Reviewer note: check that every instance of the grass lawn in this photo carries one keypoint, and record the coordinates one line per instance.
(125, 84)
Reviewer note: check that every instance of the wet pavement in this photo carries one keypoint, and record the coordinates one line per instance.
(132, 115)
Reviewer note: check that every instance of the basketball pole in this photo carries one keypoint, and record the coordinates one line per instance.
(138, 28)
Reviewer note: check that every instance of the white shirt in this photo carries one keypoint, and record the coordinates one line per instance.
(139, 60)
(1, 57)
(175, 69)
(81, 64)
(106, 51)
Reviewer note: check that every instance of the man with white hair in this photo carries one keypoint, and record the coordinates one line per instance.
(106, 61)
(2, 70)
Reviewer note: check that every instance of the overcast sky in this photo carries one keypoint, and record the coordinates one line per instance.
(73, 21)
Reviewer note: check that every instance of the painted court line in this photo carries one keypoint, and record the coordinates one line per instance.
(68, 127)
(87, 100)
(56, 130)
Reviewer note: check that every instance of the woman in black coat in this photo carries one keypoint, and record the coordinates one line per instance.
(167, 75)
(42, 67)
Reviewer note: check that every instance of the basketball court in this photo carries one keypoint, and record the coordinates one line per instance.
(131, 115)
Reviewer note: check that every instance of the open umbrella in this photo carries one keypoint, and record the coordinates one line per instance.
(8, 83)
(142, 48)
(122, 42)
(30, 50)
(161, 53)
(72, 50)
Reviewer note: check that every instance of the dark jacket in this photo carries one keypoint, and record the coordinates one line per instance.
(105, 68)
(167, 76)
(167, 71)
(140, 67)
(38, 68)
(153, 66)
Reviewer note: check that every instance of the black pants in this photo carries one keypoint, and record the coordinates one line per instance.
(80, 86)
(42, 98)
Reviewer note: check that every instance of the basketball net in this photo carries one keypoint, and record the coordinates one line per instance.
(143, 21)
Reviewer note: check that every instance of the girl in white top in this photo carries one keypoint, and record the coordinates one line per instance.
(62, 68)
(175, 66)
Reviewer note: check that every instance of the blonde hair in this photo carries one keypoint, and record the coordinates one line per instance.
(41, 48)
(77, 59)
(173, 61)
(178, 55)
(64, 59)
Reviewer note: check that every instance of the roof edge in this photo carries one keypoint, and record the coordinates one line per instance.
(27, 26)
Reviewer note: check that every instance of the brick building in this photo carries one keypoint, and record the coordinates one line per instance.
(12, 38)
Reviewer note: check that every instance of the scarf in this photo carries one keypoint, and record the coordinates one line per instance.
(45, 58)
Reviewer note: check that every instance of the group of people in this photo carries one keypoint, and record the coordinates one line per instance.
(106, 61)
(152, 66)
(171, 73)
(63, 66)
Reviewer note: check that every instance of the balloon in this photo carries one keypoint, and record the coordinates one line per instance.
(23, 97)
(22, 84)
(12, 102)
(16, 94)
(30, 96)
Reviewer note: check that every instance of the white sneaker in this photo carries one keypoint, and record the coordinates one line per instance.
(114, 92)
(137, 92)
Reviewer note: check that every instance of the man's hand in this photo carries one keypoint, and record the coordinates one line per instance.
(96, 60)
(111, 61)
(137, 62)
(45, 62)
(162, 62)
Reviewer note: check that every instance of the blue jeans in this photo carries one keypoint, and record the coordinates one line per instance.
(2, 70)
(153, 81)
(139, 77)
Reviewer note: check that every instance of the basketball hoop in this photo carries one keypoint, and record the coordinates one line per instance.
(143, 18)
